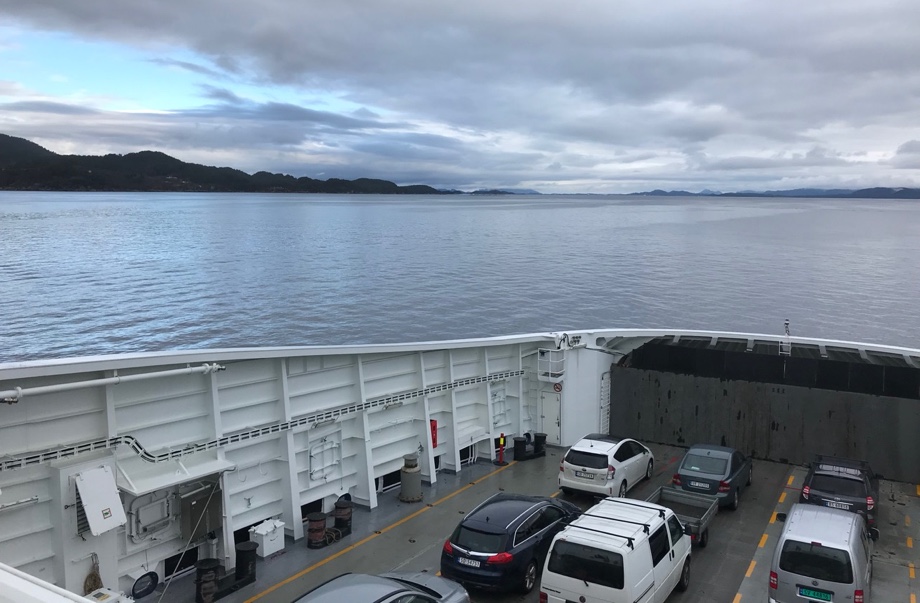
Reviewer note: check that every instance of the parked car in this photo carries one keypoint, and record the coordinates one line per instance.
(715, 470)
(841, 483)
(605, 465)
(823, 554)
(618, 551)
(501, 543)
(396, 587)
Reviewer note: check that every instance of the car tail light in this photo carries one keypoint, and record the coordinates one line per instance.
(870, 502)
(500, 558)
(773, 580)
(543, 597)
(805, 492)
(448, 548)
(561, 467)
(610, 471)
(675, 480)
(724, 487)
(858, 596)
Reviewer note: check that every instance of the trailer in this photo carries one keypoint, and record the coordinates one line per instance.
(695, 511)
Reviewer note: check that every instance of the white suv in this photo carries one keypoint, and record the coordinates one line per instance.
(605, 465)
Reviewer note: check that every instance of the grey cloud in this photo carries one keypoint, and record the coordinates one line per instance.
(527, 91)
(46, 107)
(911, 147)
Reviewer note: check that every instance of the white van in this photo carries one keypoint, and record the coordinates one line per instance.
(620, 550)
(822, 554)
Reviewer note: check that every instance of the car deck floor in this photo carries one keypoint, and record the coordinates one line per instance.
(733, 568)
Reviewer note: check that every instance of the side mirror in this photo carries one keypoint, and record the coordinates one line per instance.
(873, 533)
(781, 517)
(689, 531)
(879, 476)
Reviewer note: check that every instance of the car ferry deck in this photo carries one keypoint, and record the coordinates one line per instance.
(139, 471)
(732, 568)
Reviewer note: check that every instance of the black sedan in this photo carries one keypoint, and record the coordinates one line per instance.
(501, 544)
(717, 471)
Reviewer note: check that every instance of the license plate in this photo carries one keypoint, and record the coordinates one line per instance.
(699, 485)
(470, 562)
(817, 595)
(584, 475)
(837, 505)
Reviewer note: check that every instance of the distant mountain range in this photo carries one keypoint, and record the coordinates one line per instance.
(25, 165)
(879, 192)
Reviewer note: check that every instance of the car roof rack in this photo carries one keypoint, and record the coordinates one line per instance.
(629, 539)
(836, 464)
(623, 501)
(825, 459)
(645, 526)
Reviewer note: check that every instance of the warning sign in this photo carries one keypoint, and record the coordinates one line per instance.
(557, 387)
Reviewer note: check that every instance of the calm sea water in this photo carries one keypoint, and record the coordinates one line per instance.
(89, 273)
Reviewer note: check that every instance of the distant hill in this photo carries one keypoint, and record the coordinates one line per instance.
(836, 193)
(25, 165)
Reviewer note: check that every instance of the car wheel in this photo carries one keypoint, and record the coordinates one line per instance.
(704, 539)
(530, 577)
(750, 476)
(736, 500)
(623, 489)
(684, 576)
(648, 470)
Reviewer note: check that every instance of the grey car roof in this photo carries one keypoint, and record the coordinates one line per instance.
(723, 451)
(812, 523)
(354, 587)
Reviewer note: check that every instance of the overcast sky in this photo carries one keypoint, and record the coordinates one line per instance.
(608, 96)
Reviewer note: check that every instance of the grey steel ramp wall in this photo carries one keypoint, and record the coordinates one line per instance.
(774, 422)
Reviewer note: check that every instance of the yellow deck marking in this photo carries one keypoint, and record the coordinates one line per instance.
(910, 567)
(782, 497)
(306, 571)
(910, 542)
(738, 599)
(773, 517)
(918, 489)
(763, 541)
(907, 520)
(791, 479)
(913, 598)
(750, 569)
(554, 494)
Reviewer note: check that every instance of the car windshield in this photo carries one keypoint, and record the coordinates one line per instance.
(815, 561)
(841, 486)
(587, 563)
(586, 459)
(704, 464)
(479, 542)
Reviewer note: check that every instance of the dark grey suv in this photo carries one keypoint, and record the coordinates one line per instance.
(841, 483)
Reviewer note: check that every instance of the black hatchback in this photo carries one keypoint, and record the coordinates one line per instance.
(841, 483)
(501, 544)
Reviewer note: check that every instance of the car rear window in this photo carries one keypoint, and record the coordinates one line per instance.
(581, 562)
(841, 486)
(815, 561)
(591, 460)
(704, 464)
(480, 542)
